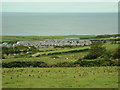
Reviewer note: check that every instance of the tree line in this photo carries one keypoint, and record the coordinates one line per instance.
(17, 50)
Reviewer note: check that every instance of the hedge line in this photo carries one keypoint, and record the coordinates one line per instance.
(23, 64)
(62, 52)
(98, 62)
(83, 63)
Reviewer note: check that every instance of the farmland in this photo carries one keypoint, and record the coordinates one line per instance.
(62, 51)
(60, 77)
(50, 59)
(64, 67)
(57, 55)
(78, 77)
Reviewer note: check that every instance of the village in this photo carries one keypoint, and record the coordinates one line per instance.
(51, 43)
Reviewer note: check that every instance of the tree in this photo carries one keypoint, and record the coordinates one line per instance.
(96, 50)
(116, 53)
(32, 48)
(20, 48)
(5, 50)
(10, 50)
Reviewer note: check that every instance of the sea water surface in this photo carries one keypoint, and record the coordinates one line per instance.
(42, 24)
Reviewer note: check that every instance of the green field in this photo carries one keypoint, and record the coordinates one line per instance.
(68, 50)
(57, 58)
(111, 46)
(52, 59)
(77, 77)
(61, 51)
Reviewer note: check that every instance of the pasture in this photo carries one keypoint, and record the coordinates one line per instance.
(61, 51)
(111, 46)
(72, 77)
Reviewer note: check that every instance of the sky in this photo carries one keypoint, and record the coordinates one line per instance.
(59, 6)
(60, 0)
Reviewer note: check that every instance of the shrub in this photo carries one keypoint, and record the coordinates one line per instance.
(65, 64)
(108, 63)
(53, 65)
(87, 63)
(96, 62)
(116, 62)
(54, 56)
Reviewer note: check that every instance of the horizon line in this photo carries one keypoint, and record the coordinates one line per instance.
(60, 35)
(58, 12)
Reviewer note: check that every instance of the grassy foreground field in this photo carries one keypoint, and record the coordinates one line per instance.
(77, 77)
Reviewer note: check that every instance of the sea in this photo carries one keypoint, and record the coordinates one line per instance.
(46, 24)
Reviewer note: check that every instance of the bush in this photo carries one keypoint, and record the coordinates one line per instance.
(108, 63)
(65, 64)
(116, 62)
(87, 63)
(96, 62)
(54, 56)
(53, 65)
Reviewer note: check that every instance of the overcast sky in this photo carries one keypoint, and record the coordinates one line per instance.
(60, 0)
(60, 6)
